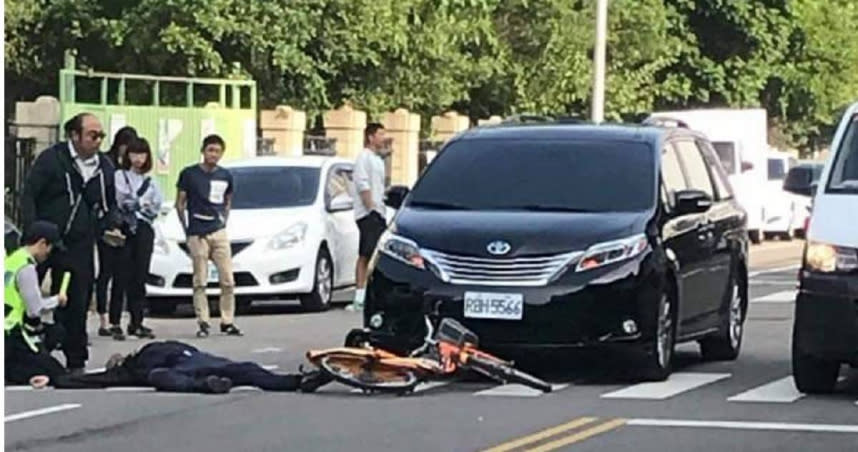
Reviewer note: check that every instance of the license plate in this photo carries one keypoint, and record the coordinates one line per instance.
(214, 276)
(501, 306)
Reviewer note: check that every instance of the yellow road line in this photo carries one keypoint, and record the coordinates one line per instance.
(539, 436)
(580, 436)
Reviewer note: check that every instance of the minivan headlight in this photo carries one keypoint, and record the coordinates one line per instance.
(607, 253)
(289, 237)
(402, 249)
(825, 258)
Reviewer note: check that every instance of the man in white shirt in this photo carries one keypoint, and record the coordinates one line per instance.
(369, 178)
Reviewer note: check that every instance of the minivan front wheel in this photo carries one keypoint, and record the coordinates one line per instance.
(658, 357)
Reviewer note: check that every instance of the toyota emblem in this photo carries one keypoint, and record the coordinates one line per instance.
(498, 248)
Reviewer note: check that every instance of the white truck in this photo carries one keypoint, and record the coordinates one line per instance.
(740, 137)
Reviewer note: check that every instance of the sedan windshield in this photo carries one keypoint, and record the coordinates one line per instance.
(560, 176)
(274, 187)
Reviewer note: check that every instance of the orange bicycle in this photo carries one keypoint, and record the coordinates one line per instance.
(444, 353)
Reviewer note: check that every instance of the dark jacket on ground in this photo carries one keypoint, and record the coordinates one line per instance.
(182, 368)
(53, 185)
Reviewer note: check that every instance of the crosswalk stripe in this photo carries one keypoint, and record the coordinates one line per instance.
(516, 390)
(786, 296)
(677, 383)
(778, 391)
(427, 385)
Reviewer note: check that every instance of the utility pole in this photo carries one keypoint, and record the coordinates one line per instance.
(598, 108)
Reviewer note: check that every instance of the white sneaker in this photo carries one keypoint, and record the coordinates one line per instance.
(354, 307)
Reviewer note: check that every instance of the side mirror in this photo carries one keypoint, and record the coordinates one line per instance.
(814, 186)
(341, 203)
(395, 196)
(747, 166)
(692, 201)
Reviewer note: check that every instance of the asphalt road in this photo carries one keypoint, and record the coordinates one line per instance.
(747, 405)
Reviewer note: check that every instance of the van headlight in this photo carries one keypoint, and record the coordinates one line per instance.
(288, 238)
(825, 258)
(402, 249)
(607, 253)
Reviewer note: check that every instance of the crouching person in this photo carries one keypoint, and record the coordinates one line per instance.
(179, 367)
(28, 360)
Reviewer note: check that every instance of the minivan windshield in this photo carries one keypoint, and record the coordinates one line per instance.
(844, 175)
(534, 175)
(271, 187)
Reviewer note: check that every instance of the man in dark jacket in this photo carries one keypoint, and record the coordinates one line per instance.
(71, 185)
(179, 367)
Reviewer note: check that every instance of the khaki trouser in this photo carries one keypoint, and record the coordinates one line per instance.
(214, 247)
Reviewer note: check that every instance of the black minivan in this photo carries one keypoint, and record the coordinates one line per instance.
(556, 235)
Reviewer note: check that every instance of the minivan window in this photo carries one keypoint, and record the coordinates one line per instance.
(726, 151)
(719, 176)
(671, 174)
(695, 167)
(268, 187)
(777, 169)
(844, 175)
(540, 175)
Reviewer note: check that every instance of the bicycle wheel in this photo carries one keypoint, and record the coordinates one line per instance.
(505, 373)
(368, 374)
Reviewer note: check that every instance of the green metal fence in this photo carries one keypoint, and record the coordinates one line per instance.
(173, 113)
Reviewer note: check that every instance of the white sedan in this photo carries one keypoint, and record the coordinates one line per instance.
(292, 231)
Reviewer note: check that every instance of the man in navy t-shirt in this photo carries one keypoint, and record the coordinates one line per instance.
(205, 193)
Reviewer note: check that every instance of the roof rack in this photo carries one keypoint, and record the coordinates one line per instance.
(527, 117)
(661, 121)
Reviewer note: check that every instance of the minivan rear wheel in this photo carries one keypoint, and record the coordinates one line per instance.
(725, 345)
(658, 357)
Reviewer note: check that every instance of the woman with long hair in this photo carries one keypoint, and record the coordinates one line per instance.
(108, 256)
(139, 201)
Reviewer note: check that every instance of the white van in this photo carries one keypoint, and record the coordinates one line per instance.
(740, 138)
(780, 211)
(825, 334)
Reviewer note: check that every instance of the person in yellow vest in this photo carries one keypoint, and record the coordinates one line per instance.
(27, 360)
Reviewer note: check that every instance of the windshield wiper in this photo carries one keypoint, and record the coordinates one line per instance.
(439, 205)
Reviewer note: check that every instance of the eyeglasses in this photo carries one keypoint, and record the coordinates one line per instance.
(96, 135)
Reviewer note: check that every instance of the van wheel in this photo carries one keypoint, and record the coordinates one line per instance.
(756, 237)
(658, 357)
(813, 375)
(725, 345)
(320, 298)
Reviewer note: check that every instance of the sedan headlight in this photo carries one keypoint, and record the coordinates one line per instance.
(160, 246)
(607, 253)
(288, 238)
(824, 258)
(401, 249)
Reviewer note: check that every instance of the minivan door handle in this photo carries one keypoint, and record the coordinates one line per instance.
(706, 231)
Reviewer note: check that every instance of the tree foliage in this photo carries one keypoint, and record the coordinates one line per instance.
(797, 58)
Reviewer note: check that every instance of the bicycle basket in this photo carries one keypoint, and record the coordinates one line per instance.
(452, 331)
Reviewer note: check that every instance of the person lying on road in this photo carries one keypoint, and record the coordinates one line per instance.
(179, 367)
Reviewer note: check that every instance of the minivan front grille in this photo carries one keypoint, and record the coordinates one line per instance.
(519, 271)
